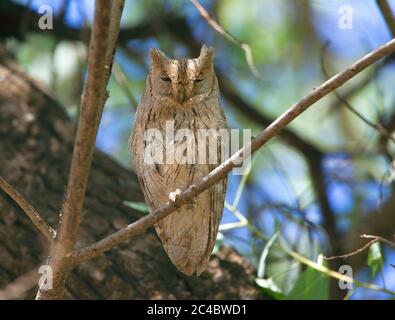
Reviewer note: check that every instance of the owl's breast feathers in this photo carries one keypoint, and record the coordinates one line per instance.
(188, 234)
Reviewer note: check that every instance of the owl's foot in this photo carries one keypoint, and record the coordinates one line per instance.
(191, 203)
(174, 196)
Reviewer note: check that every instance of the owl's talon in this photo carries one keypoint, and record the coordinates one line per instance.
(191, 203)
(174, 196)
(193, 188)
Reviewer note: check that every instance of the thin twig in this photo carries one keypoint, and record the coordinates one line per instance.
(335, 274)
(245, 47)
(243, 222)
(376, 126)
(100, 59)
(387, 14)
(378, 238)
(310, 263)
(121, 79)
(312, 154)
(32, 213)
(365, 236)
(18, 288)
(352, 253)
(222, 170)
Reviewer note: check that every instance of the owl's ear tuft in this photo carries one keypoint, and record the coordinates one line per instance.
(158, 58)
(206, 56)
(206, 50)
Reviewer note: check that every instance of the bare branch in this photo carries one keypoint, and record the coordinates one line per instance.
(365, 236)
(222, 170)
(18, 288)
(378, 238)
(334, 274)
(376, 126)
(100, 58)
(312, 153)
(353, 252)
(246, 48)
(32, 213)
(387, 14)
(121, 79)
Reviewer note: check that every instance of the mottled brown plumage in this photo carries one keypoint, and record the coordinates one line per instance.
(186, 92)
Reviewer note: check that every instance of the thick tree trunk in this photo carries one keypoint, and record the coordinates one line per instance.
(36, 139)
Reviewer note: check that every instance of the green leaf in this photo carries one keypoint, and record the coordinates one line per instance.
(218, 242)
(375, 258)
(311, 285)
(139, 206)
(265, 253)
(270, 288)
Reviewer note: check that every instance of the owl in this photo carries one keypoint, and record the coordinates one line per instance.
(184, 93)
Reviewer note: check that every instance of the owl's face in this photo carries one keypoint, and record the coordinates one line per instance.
(182, 81)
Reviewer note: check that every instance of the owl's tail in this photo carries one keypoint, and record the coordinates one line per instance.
(186, 262)
(187, 239)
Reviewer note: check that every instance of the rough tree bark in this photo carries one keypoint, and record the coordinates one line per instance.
(36, 139)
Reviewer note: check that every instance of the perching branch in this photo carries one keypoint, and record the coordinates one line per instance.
(100, 58)
(222, 170)
(32, 213)
(312, 154)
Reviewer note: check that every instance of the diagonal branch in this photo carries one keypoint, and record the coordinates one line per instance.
(292, 138)
(32, 213)
(312, 154)
(100, 58)
(376, 126)
(387, 14)
(222, 170)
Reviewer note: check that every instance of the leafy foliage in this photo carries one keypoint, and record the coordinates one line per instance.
(139, 206)
(311, 285)
(375, 258)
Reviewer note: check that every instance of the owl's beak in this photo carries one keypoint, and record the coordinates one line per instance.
(181, 95)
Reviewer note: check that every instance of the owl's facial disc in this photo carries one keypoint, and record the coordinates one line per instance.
(185, 80)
